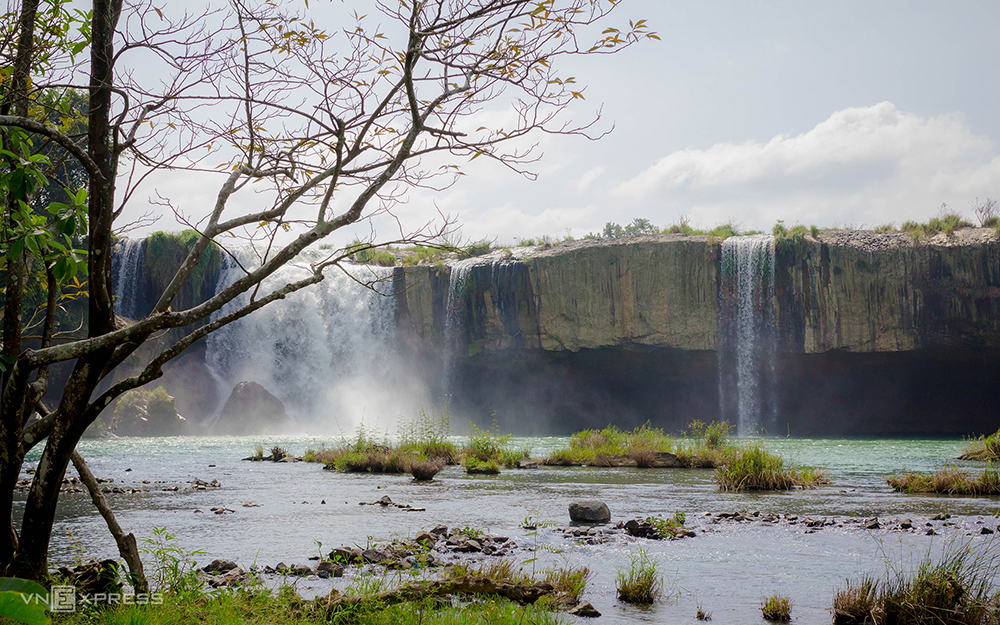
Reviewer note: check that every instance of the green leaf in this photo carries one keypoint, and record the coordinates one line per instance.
(22, 600)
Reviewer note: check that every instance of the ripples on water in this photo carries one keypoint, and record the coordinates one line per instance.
(727, 572)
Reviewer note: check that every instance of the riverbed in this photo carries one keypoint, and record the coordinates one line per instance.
(288, 512)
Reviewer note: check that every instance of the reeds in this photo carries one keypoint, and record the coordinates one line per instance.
(983, 449)
(950, 480)
(642, 582)
(957, 589)
(754, 468)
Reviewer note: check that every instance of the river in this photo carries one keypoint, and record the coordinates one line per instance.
(727, 569)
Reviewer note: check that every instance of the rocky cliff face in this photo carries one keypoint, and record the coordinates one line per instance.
(875, 335)
(866, 293)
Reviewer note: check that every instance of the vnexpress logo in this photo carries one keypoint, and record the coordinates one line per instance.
(62, 599)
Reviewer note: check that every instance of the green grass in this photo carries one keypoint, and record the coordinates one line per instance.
(946, 223)
(753, 468)
(286, 608)
(641, 582)
(776, 609)
(422, 445)
(949, 480)
(984, 448)
(959, 587)
(600, 447)
(487, 452)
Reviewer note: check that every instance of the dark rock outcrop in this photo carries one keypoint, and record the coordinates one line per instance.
(251, 409)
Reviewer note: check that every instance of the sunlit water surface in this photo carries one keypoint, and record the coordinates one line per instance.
(726, 570)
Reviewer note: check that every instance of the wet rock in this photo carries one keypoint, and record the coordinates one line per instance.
(425, 538)
(219, 566)
(440, 530)
(872, 524)
(527, 463)
(222, 510)
(251, 409)
(589, 511)
(585, 609)
(985, 530)
(327, 569)
(374, 556)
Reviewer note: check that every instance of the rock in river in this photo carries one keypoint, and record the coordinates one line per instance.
(589, 511)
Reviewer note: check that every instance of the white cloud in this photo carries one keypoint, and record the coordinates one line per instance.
(863, 165)
(587, 178)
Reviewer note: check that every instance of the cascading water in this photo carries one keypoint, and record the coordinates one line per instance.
(747, 335)
(454, 324)
(327, 352)
(126, 268)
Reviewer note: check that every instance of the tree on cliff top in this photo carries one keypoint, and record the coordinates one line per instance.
(330, 126)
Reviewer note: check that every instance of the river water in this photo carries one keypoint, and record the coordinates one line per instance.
(727, 569)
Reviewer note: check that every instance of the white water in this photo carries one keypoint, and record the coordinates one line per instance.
(127, 277)
(454, 325)
(747, 334)
(327, 352)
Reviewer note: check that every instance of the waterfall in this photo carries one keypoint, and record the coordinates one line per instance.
(747, 336)
(327, 351)
(455, 332)
(126, 271)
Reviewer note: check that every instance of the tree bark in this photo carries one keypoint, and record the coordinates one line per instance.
(126, 542)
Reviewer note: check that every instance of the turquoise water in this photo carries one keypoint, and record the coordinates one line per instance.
(727, 569)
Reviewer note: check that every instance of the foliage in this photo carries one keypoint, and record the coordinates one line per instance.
(946, 222)
(949, 480)
(753, 468)
(958, 588)
(142, 412)
(487, 451)
(776, 609)
(642, 582)
(427, 435)
(170, 249)
(369, 254)
(475, 249)
(639, 226)
(174, 566)
(669, 527)
(23, 601)
(598, 447)
(984, 448)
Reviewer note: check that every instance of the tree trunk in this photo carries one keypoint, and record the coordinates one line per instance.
(126, 542)
(11, 416)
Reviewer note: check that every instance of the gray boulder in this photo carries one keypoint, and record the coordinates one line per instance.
(589, 511)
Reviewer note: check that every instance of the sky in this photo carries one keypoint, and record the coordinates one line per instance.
(835, 114)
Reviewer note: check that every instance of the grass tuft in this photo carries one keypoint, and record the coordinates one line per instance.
(950, 480)
(754, 468)
(776, 609)
(642, 583)
(983, 449)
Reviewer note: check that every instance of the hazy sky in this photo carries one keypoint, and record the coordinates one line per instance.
(825, 113)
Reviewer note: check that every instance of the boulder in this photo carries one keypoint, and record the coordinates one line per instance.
(589, 511)
(251, 409)
(585, 609)
(326, 569)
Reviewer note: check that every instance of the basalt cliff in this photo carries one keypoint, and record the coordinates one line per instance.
(857, 333)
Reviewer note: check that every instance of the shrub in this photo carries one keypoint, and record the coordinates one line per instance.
(642, 583)
(856, 603)
(476, 249)
(776, 609)
(424, 469)
(277, 453)
(569, 582)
